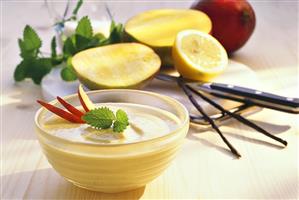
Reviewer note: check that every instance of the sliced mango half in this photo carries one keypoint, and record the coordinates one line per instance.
(124, 65)
(158, 28)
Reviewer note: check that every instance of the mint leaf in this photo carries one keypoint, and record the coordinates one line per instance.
(68, 74)
(38, 69)
(25, 53)
(69, 62)
(31, 41)
(99, 36)
(116, 33)
(122, 117)
(57, 60)
(33, 68)
(30, 44)
(104, 118)
(84, 28)
(101, 118)
(69, 47)
(121, 122)
(20, 71)
(82, 42)
(119, 127)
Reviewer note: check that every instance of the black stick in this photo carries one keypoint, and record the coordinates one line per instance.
(186, 90)
(240, 118)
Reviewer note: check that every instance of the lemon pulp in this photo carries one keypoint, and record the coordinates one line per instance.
(198, 55)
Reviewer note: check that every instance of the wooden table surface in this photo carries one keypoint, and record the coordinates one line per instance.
(203, 168)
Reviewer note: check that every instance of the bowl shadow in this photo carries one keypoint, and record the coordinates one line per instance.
(47, 184)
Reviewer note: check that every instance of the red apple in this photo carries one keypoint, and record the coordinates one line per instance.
(233, 21)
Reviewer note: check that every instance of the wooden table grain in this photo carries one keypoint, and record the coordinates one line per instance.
(203, 169)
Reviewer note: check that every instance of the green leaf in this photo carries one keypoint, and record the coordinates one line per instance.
(121, 122)
(38, 69)
(94, 42)
(84, 28)
(69, 62)
(69, 47)
(99, 36)
(116, 33)
(30, 44)
(55, 59)
(82, 42)
(35, 69)
(67, 74)
(122, 117)
(98, 40)
(112, 26)
(119, 127)
(101, 118)
(31, 66)
(26, 54)
(78, 5)
(20, 71)
(31, 41)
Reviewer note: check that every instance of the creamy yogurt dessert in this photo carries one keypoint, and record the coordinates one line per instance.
(106, 161)
(145, 122)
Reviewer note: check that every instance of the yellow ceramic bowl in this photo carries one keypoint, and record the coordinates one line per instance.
(114, 167)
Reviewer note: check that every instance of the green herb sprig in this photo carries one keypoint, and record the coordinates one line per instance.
(36, 65)
(104, 118)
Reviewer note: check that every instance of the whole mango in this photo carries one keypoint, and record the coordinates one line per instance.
(233, 21)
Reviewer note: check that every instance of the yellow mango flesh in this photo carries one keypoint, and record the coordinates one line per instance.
(159, 28)
(124, 65)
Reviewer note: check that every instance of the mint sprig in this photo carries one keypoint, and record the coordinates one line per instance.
(30, 44)
(104, 118)
(84, 28)
(35, 65)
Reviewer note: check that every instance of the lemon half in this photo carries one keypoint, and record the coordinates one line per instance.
(198, 55)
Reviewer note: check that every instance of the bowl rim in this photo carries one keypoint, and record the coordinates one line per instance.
(168, 99)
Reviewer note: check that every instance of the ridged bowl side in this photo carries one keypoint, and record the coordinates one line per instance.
(111, 174)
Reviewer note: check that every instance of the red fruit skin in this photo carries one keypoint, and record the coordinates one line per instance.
(61, 113)
(70, 107)
(233, 21)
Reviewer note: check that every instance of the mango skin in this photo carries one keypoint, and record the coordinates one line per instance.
(95, 86)
(165, 51)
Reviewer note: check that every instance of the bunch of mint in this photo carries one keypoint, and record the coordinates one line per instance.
(104, 118)
(36, 65)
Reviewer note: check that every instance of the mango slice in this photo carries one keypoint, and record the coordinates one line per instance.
(158, 28)
(124, 65)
